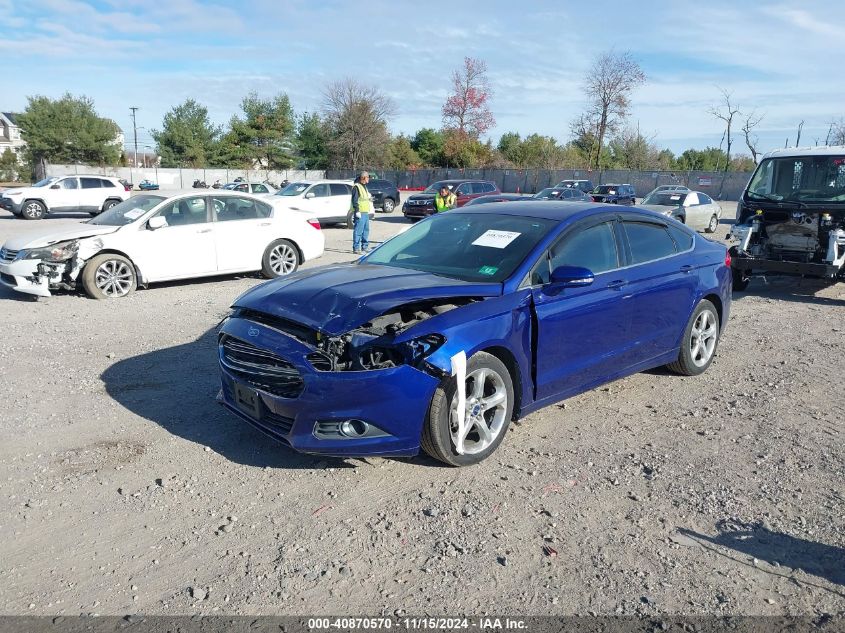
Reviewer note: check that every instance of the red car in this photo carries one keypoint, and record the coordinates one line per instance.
(421, 205)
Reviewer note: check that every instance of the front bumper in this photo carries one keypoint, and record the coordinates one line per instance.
(24, 276)
(11, 205)
(757, 264)
(394, 400)
(419, 212)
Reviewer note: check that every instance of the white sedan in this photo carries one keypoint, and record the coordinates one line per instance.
(694, 208)
(159, 236)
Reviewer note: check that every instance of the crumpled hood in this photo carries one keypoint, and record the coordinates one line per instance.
(338, 298)
(40, 238)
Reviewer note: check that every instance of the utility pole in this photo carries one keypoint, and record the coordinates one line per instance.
(135, 133)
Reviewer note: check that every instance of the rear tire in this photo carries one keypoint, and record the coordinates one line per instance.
(712, 225)
(109, 276)
(108, 204)
(489, 394)
(33, 210)
(280, 259)
(700, 340)
(740, 279)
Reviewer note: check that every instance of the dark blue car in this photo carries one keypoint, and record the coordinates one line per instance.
(471, 319)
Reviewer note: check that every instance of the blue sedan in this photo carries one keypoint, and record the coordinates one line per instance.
(470, 319)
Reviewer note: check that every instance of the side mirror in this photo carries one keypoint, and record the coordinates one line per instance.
(570, 277)
(310, 195)
(55, 187)
(157, 222)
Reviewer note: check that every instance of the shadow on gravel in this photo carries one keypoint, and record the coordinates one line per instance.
(793, 290)
(176, 387)
(752, 539)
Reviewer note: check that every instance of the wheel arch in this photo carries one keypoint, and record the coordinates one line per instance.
(114, 251)
(509, 360)
(716, 300)
(35, 199)
(117, 199)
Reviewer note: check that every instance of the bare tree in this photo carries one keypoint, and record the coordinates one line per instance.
(608, 87)
(752, 141)
(726, 111)
(836, 133)
(466, 109)
(356, 116)
(798, 137)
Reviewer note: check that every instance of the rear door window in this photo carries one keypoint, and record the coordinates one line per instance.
(648, 241)
(229, 208)
(90, 183)
(339, 189)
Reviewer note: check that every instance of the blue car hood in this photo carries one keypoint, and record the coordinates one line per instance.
(336, 299)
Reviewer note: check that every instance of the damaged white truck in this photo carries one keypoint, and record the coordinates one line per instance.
(791, 216)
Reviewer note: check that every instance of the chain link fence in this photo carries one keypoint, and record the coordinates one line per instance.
(718, 185)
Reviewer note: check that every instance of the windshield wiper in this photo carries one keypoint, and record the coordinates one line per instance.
(765, 196)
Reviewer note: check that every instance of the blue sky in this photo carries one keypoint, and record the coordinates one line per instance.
(778, 58)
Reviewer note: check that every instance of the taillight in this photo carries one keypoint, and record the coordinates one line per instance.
(728, 259)
(315, 223)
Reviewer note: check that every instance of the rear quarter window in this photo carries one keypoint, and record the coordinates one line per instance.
(683, 240)
(648, 241)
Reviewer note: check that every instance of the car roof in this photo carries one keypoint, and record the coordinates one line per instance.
(463, 180)
(824, 150)
(311, 181)
(178, 193)
(547, 209)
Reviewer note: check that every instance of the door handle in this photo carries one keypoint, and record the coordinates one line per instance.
(204, 231)
(686, 268)
(264, 224)
(618, 283)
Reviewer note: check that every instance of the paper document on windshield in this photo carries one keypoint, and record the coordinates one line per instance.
(496, 239)
(134, 214)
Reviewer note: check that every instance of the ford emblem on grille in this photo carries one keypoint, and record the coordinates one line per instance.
(253, 331)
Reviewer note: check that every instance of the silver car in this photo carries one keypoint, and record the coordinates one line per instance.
(665, 188)
(693, 208)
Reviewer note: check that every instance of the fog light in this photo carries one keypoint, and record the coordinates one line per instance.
(354, 428)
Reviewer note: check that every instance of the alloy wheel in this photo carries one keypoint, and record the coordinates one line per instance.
(714, 224)
(703, 337)
(114, 278)
(485, 411)
(283, 259)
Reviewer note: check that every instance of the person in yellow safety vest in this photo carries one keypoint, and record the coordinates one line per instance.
(445, 200)
(359, 212)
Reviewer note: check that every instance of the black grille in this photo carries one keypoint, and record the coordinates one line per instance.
(7, 255)
(260, 368)
(8, 279)
(319, 361)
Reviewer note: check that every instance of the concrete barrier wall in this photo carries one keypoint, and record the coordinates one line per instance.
(184, 178)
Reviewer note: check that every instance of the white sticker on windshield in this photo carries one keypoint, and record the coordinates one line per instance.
(134, 214)
(496, 239)
(674, 197)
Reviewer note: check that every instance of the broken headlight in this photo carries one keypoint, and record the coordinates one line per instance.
(58, 252)
(410, 353)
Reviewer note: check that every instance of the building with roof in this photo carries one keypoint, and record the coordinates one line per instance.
(10, 133)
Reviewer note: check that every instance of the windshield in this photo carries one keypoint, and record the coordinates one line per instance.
(293, 189)
(551, 192)
(127, 211)
(467, 246)
(436, 186)
(666, 198)
(799, 178)
(45, 182)
(611, 189)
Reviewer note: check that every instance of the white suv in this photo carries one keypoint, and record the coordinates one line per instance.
(328, 200)
(94, 194)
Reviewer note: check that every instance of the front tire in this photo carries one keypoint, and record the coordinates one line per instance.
(109, 276)
(108, 204)
(700, 340)
(388, 205)
(280, 258)
(33, 210)
(489, 408)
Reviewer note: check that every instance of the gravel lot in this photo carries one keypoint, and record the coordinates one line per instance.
(126, 489)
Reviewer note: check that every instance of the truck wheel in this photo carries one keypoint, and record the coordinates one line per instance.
(698, 345)
(488, 410)
(109, 276)
(33, 210)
